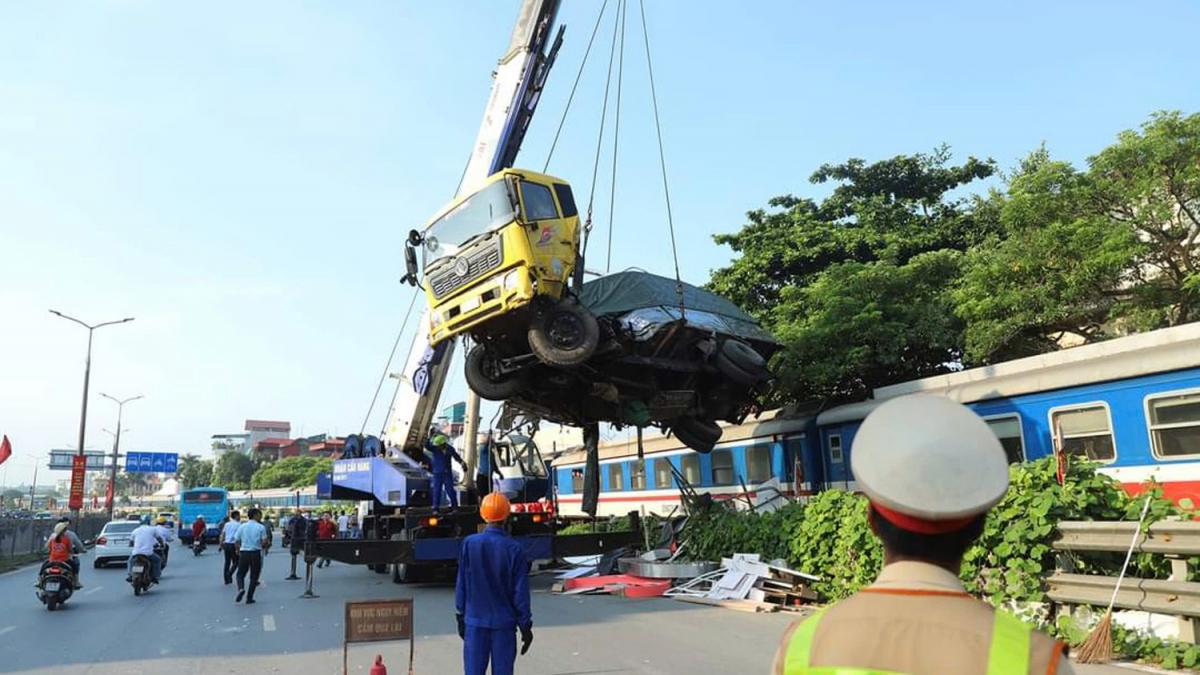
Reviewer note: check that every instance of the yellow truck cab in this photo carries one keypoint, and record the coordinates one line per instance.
(497, 265)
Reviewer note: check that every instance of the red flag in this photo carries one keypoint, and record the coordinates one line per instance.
(108, 496)
(5, 450)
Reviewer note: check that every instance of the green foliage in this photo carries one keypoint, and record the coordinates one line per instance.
(290, 472)
(724, 532)
(194, 472)
(835, 540)
(233, 471)
(611, 525)
(874, 260)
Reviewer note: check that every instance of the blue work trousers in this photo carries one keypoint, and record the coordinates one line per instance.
(484, 644)
(444, 482)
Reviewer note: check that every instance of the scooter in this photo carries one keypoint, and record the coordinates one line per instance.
(140, 577)
(56, 583)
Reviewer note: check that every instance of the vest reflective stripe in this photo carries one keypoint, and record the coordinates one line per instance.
(1008, 654)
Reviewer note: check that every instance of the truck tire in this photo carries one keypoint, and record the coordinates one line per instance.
(740, 363)
(403, 573)
(699, 435)
(564, 333)
(482, 379)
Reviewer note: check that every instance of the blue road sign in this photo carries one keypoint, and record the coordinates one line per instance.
(152, 462)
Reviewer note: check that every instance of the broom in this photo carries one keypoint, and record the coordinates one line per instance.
(1097, 648)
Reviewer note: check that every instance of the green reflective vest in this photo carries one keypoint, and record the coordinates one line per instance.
(1008, 654)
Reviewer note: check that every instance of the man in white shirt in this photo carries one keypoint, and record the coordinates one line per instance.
(144, 539)
(251, 539)
(343, 526)
(228, 542)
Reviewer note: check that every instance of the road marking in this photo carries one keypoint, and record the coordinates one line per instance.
(268, 622)
(7, 629)
(93, 590)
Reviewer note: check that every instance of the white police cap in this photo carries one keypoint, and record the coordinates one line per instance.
(929, 458)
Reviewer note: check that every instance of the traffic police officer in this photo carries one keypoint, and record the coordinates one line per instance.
(440, 454)
(491, 595)
(931, 469)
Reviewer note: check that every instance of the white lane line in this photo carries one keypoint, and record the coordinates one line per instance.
(93, 590)
(7, 629)
(268, 622)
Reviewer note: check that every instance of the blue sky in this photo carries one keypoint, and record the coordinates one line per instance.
(240, 176)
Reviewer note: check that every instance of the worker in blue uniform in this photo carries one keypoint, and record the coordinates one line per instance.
(491, 595)
(440, 453)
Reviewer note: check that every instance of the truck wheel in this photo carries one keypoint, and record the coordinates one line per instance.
(484, 379)
(564, 333)
(402, 573)
(699, 435)
(740, 363)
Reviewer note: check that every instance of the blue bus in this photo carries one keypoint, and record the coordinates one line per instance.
(210, 502)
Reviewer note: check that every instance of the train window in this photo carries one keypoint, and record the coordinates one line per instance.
(1008, 429)
(722, 467)
(637, 474)
(690, 463)
(758, 464)
(1175, 424)
(577, 481)
(835, 448)
(662, 473)
(616, 477)
(1085, 432)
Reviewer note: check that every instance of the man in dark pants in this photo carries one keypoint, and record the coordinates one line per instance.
(251, 540)
(229, 545)
(440, 453)
(491, 595)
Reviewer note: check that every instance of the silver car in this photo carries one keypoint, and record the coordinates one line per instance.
(113, 544)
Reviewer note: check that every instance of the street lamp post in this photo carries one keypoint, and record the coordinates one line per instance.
(87, 374)
(112, 476)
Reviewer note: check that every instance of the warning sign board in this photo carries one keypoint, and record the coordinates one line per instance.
(378, 621)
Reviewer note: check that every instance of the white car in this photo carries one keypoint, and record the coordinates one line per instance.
(113, 544)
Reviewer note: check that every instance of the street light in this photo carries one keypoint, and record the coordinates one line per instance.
(87, 373)
(112, 477)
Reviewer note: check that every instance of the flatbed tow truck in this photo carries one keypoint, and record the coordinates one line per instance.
(402, 533)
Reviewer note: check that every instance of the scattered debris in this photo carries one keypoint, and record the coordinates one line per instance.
(746, 578)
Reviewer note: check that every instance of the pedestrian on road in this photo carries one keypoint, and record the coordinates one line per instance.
(251, 539)
(440, 453)
(270, 528)
(931, 470)
(228, 543)
(491, 594)
(326, 529)
(343, 523)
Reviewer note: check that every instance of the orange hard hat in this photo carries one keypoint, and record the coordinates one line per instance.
(495, 507)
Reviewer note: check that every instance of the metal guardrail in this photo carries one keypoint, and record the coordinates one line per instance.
(1171, 537)
(1175, 539)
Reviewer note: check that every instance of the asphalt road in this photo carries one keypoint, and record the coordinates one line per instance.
(190, 624)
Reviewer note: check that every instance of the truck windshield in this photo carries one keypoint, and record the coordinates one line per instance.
(490, 208)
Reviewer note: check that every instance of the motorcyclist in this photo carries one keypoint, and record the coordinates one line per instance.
(198, 529)
(167, 535)
(62, 547)
(146, 538)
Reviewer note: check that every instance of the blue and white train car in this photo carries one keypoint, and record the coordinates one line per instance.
(1132, 404)
(279, 498)
(773, 446)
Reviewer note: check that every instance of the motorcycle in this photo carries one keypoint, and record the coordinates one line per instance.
(56, 583)
(161, 550)
(198, 546)
(141, 578)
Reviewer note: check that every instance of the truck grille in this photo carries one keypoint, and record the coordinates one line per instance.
(480, 262)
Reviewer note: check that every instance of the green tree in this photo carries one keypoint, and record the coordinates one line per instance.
(233, 471)
(194, 472)
(857, 286)
(290, 472)
(10, 497)
(1058, 269)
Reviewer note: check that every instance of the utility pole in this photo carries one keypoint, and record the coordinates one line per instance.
(33, 488)
(112, 476)
(87, 373)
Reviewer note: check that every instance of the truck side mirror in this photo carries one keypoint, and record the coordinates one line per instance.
(415, 238)
(410, 266)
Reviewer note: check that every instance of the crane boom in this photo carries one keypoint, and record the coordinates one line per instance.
(516, 89)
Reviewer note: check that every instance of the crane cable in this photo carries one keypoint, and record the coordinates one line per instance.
(388, 366)
(587, 226)
(622, 9)
(578, 75)
(662, 158)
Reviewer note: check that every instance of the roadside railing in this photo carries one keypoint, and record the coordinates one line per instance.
(24, 536)
(1177, 540)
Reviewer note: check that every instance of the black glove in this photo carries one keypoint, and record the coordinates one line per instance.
(526, 638)
(462, 626)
